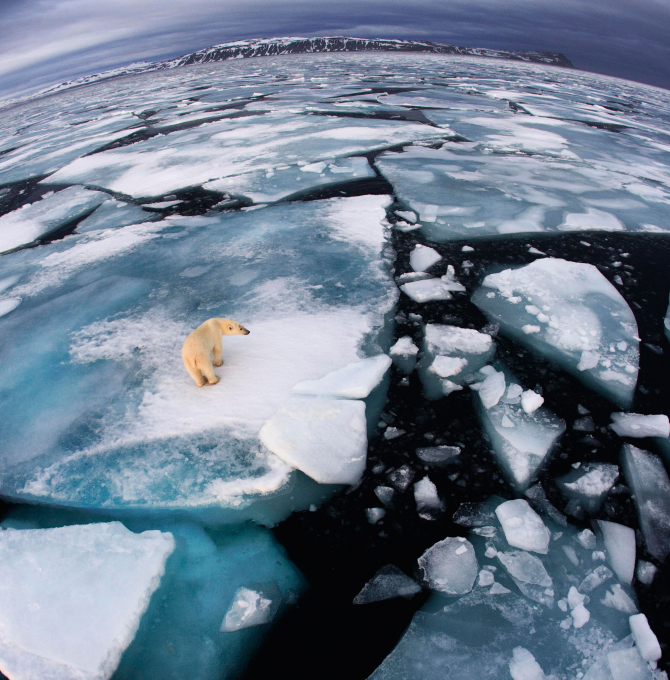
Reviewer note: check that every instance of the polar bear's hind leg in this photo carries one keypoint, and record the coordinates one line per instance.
(195, 373)
(208, 371)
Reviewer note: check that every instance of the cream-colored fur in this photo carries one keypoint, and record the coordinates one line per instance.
(204, 341)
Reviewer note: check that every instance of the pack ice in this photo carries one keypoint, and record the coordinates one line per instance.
(522, 438)
(110, 419)
(72, 597)
(571, 314)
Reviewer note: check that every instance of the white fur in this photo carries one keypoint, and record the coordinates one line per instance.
(204, 342)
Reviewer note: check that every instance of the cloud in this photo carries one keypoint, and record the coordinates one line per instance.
(51, 40)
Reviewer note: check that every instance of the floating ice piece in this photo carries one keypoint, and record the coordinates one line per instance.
(427, 290)
(587, 539)
(627, 664)
(439, 455)
(486, 578)
(292, 181)
(618, 599)
(636, 425)
(384, 493)
(523, 527)
(645, 572)
(37, 220)
(113, 214)
(248, 609)
(531, 401)
(589, 484)
(354, 381)
(580, 614)
(529, 574)
(388, 583)
(71, 598)
(325, 438)
(423, 258)
(450, 566)
(492, 389)
(477, 514)
(595, 578)
(591, 219)
(520, 450)
(8, 305)
(451, 281)
(650, 485)
(523, 666)
(645, 640)
(403, 354)
(581, 314)
(374, 514)
(402, 477)
(452, 342)
(425, 495)
(620, 545)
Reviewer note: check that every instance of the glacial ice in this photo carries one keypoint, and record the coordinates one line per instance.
(522, 441)
(620, 545)
(308, 279)
(467, 349)
(403, 354)
(354, 381)
(324, 437)
(72, 597)
(650, 485)
(587, 486)
(639, 426)
(523, 527)
(450, 566)
(586, 326)
(38, 220)
(388, 583)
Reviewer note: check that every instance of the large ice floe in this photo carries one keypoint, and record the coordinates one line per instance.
(308, 279)
(572, 314)
(60, 586)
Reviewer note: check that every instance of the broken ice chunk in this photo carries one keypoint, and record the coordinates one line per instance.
(71, 598)
(523, 527)
(248, 609)
(427, 290)
(583, 315)
(325, 438)
(384, 493)
(113, 214)
(477, 514)
(403, 354)
(475, 349)
(485, 578)
(423, 258)
(529, 574)
(402, 477)
(492, 389)
(531, 401)
(580, 614)
(447, 367)
(645, 572)
(354, 381)
(587, 539)
(645, 640)
(35, 221)
(439, 455)
(451, 281)
(498, 589)
(617, 598)
(523, 666)
(627, 664)
(374, 514)
(620, 545)
(636, 425)
(520, 450)
(425, 495)
(450, 566)
(388, 583)
(588, 484)
(649, 482)
(595, 578)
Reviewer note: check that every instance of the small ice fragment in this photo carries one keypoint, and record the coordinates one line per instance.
(645, 640)
(491, 552)
(423, 258)
(620, 545)
(486, 578)
(535, 251)
(476, 514)
(506, 422)
(645, 572)
(492, 389)
(627, 664)
(427, 290)
(393, 433)
(446, 367)
(449, 569)
(388, 583)
(571, 554)
(439, 455)
(531, 401)
(513, 394)
(467, 249)
(403, 354)
(588, 484)
(617, 598)
(402, 477)
(385, 494)
(249, 608)
(523, 527)
(499, 589)
(636, 425)
(523, 666)
(529, 574)
(528, 328)
(374, 514)
(595, 578)
(580, 615)
(425, 495)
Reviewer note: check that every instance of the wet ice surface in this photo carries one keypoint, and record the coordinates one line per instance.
(289, 199)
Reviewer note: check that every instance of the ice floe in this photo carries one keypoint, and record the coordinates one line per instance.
(523, 527)
(388, 583)
(404, 354)
(636, 425)
(450, 566)
(585, 324)
(620, 545)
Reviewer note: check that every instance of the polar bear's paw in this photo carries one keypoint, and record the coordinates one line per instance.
(216, 380)
(218, 363)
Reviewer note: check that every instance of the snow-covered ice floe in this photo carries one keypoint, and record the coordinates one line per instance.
(577, 319)
(309, 279)
(71, 598)
(521, 438)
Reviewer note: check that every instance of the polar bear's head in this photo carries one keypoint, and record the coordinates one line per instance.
(230, 327)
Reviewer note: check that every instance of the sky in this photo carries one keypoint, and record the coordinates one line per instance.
(45, 42)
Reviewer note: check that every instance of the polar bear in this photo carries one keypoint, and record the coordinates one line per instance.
(204, 341)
